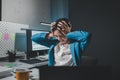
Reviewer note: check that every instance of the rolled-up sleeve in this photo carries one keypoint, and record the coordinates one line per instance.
(82, 37)
(41, 39)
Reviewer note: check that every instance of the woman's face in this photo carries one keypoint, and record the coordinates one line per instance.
(60, 37)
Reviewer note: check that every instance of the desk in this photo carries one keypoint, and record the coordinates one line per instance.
(34, 75)
(17, 64)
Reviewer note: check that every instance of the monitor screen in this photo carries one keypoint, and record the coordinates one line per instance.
(20, 42)
(35, 46)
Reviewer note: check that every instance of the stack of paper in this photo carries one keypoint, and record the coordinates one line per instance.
(4, 71)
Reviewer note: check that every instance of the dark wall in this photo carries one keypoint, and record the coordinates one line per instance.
(59, 8)
(102, 19)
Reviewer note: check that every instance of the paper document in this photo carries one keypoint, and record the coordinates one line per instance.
(5, 71)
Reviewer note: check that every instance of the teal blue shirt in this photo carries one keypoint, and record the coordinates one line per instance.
(79, 41)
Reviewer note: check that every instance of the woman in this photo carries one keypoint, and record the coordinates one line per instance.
(66, 46)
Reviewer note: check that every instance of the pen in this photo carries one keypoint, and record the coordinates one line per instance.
(45, 23)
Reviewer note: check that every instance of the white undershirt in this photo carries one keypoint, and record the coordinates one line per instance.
(63, 55)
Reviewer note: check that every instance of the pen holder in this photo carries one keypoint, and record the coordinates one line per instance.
(11, 56)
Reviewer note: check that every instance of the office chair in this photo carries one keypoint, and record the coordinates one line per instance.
(88, 61)
(75, 73)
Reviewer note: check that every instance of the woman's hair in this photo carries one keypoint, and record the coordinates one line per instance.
(60, 20)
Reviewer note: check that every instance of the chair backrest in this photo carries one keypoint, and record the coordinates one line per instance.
(75, 73)
(89, 61)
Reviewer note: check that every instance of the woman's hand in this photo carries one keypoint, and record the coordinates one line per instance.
(64, 27)
(50, 34)
(52, 25)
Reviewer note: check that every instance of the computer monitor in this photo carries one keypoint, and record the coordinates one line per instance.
(32, 49)
(20, 42)
(36, 46)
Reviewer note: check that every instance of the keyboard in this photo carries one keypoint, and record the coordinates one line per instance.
(32, 61)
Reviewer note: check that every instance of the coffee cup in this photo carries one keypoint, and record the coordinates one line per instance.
(22, 74)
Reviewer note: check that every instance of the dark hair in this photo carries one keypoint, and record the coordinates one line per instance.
(60, 20)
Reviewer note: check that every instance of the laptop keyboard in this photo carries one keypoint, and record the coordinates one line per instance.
(32, 61)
